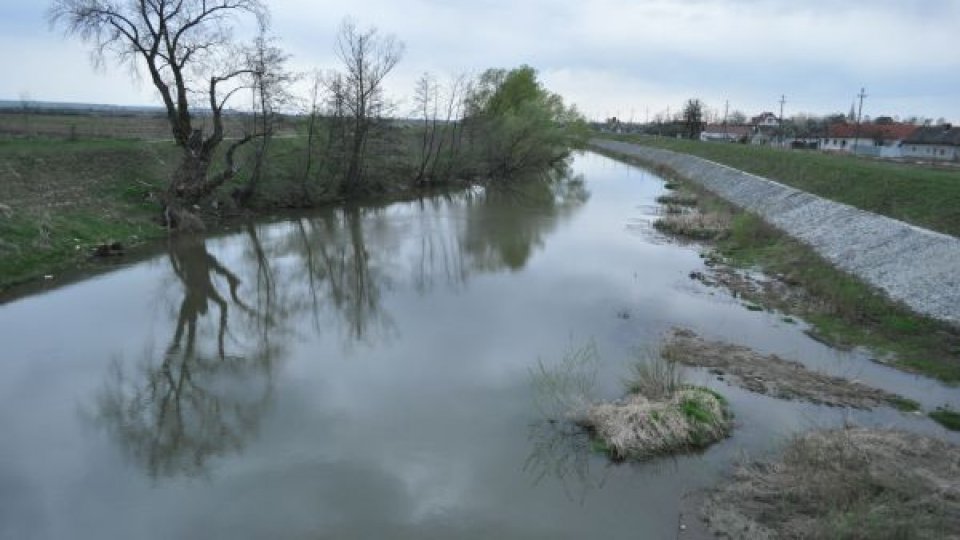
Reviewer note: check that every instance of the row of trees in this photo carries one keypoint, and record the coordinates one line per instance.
(498, 125)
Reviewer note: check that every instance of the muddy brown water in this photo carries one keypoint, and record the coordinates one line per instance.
(366, 373)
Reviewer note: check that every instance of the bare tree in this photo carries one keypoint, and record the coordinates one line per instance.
(693, 118)
(313, 115)
(185, 46)
(271, 92)
(452, 133)
(427, 100)
(367, 57)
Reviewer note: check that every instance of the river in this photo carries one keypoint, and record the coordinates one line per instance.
(367, 372)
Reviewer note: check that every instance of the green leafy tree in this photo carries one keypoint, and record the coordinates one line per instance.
(518, 125)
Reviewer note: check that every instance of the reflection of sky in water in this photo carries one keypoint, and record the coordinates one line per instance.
(380, 377)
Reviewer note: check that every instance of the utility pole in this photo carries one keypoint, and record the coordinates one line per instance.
(783, 101)
(726, 109)
(856, 135)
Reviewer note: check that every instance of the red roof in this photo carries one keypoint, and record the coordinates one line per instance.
(887, 132)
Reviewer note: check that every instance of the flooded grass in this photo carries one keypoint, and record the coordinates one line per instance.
(947, 418)
(660, 415)
(694, 225)
(775, 376)
(678, 198)
(845, 483)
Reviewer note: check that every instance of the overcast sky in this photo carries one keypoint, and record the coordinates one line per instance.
(610, 57)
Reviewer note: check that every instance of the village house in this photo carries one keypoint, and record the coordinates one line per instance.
(765, 128)
(765, 120)
(877, 140)
(933, 143)
(726, 133)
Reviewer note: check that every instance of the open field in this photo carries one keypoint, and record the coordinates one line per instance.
(105, 126)
(924, 196)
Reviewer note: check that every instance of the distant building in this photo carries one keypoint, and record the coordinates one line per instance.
(935, 143)
(765, 120)
(877, 140)
(725, 133)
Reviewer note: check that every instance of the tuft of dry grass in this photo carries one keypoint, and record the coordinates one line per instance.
(654, 377)
(678, 198)
(844, 483)
(695, 225)
(638, 427)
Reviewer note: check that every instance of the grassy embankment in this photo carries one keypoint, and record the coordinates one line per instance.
(843, 309)
(923, 195)
(61, 199)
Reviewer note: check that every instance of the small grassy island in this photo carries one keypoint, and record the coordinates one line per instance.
(638, 427)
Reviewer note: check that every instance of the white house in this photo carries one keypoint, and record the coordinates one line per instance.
(725, 133)
(877, 140)
(765, 120)
(936, 143)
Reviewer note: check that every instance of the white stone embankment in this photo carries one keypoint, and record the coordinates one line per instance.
(913, 265)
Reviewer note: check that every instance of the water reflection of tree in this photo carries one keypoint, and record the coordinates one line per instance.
(203, 394)
(343, 276)
(507, 223)
(198, 401)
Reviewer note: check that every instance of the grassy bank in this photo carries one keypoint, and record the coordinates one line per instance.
(61, 199)
(921, 195)
(843, 310)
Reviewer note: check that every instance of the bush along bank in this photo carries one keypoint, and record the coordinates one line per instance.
(842, 309)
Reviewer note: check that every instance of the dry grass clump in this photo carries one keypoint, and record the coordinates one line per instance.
(775, 376)
(653, 377)
(695, 225)
(845, 483)
(638, 427)
(678, 198)
(660, 415)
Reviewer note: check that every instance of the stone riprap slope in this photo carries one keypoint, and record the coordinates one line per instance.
(916, 266)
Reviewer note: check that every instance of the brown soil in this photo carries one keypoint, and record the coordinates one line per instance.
(772, 375)
(846, 483)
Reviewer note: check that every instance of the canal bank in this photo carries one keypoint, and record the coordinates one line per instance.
(912, 265)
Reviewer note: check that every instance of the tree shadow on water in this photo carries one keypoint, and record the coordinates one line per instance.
(193, 401)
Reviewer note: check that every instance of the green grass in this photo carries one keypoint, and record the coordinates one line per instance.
(67, 197)
(947, 418)
(694, 410)
(850, 311)
(920, 195)
(904, 404)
